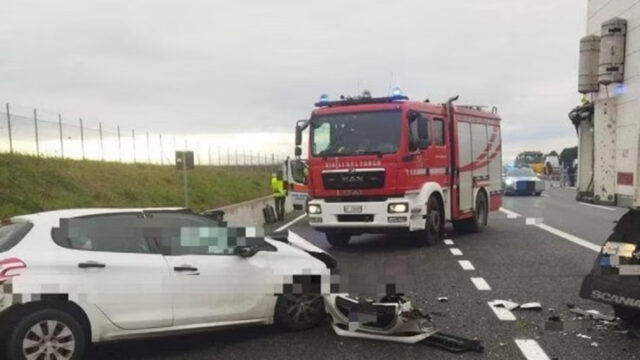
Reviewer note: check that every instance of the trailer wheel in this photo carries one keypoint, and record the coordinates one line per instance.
(478, 222)
(434, 223)
(338, 239)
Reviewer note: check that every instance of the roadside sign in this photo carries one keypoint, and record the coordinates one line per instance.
(187, 157)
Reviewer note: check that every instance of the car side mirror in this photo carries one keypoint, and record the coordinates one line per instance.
(245, 251)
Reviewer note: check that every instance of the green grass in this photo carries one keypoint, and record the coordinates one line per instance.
(29, 184)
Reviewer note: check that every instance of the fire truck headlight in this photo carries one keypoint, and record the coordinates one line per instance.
(397, 208)
(509, 181)
(314, 209)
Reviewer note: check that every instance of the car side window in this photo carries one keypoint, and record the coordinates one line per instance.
(438, 132)
(191, 234)
(109, 232)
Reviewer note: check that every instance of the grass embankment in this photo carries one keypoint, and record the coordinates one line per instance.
(29, 184)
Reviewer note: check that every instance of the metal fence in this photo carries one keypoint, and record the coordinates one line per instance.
(46, 134)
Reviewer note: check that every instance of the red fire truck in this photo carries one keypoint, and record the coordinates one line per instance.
(380, 165)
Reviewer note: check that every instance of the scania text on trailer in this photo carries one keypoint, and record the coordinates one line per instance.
(379, 165)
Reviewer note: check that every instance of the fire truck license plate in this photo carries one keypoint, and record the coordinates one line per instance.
(353, 209)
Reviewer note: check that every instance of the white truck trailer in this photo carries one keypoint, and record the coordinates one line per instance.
(608, 126)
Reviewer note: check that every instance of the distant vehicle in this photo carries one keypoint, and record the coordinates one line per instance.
(72, 277)
(531, 159)
(379, 165)
(295, 171)
(551, 164)
(522, 181)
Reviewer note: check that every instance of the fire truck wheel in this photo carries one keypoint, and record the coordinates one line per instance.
(338, 239)
(478, 221)
(434, 227)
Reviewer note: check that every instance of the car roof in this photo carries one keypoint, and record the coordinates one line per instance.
(71, 213)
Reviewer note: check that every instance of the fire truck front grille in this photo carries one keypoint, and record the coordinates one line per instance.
(353, 180)
(355, 218)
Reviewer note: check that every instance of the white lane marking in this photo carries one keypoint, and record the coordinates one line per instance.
(448, 242)
(546, 196)
(502, 313)
(531, 350)
(456, 251)
(466, 265)
(598, 206)
(510, 214)
(480, 284)
(290, 223)
(574, 239)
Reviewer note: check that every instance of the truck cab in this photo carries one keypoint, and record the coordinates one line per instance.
(380, 165)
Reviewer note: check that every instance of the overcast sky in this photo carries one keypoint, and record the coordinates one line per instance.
(237, 66)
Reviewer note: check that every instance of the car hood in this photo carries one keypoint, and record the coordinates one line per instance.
(289, 243)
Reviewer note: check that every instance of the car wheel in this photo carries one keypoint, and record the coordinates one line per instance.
(47, 334)
(299, 312)
(338, 239)
(434, 223)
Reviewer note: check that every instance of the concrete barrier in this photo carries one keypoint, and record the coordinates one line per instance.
(249, 213)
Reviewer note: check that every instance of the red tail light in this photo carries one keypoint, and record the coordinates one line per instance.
(9, 266)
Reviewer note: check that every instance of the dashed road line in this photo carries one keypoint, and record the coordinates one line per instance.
(291, 222)
(466, 265)
(531, 349)
(510, 214)
(480, 284)
(448, 242)
(456, 251)
(502, 313)
(597, 206)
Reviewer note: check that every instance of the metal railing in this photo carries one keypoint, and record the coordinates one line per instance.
(45, 134)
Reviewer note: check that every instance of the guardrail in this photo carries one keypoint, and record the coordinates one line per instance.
(249, 213)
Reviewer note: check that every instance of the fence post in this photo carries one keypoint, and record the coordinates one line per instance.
(9, 128)
(133, 137)
(228, 157)
(161, 152)
(237, 163)
(61, 137)
(119, 145)
(219, 157)
(101, 143)
(35, 121)
(175, 147)
(148, 150)
(82, 138)
(209, 155)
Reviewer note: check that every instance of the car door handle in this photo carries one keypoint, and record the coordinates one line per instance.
(91, 264)
(185, 268)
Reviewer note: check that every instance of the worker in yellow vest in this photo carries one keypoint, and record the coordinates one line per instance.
(279, 193)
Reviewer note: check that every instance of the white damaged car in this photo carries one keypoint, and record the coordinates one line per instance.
(72, 277)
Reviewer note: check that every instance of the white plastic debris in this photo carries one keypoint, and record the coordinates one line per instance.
(594, 344)
(443, 299)
(584, 336)
(531, 306)
(506, 304)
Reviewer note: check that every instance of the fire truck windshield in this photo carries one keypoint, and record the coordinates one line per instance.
(360, 133)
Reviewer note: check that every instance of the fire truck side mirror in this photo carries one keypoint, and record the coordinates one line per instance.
(298, 151)
(298, 136)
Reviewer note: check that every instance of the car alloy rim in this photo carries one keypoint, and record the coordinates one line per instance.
(47, 340)
(303, 308)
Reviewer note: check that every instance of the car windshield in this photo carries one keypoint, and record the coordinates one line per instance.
(530, 158)
(356, 133)
(520, 172)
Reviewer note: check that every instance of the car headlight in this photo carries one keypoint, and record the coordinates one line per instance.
(314, 209)
(613, 248)
(398, 208)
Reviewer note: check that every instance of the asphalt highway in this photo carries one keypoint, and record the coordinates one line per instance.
(537, 249)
